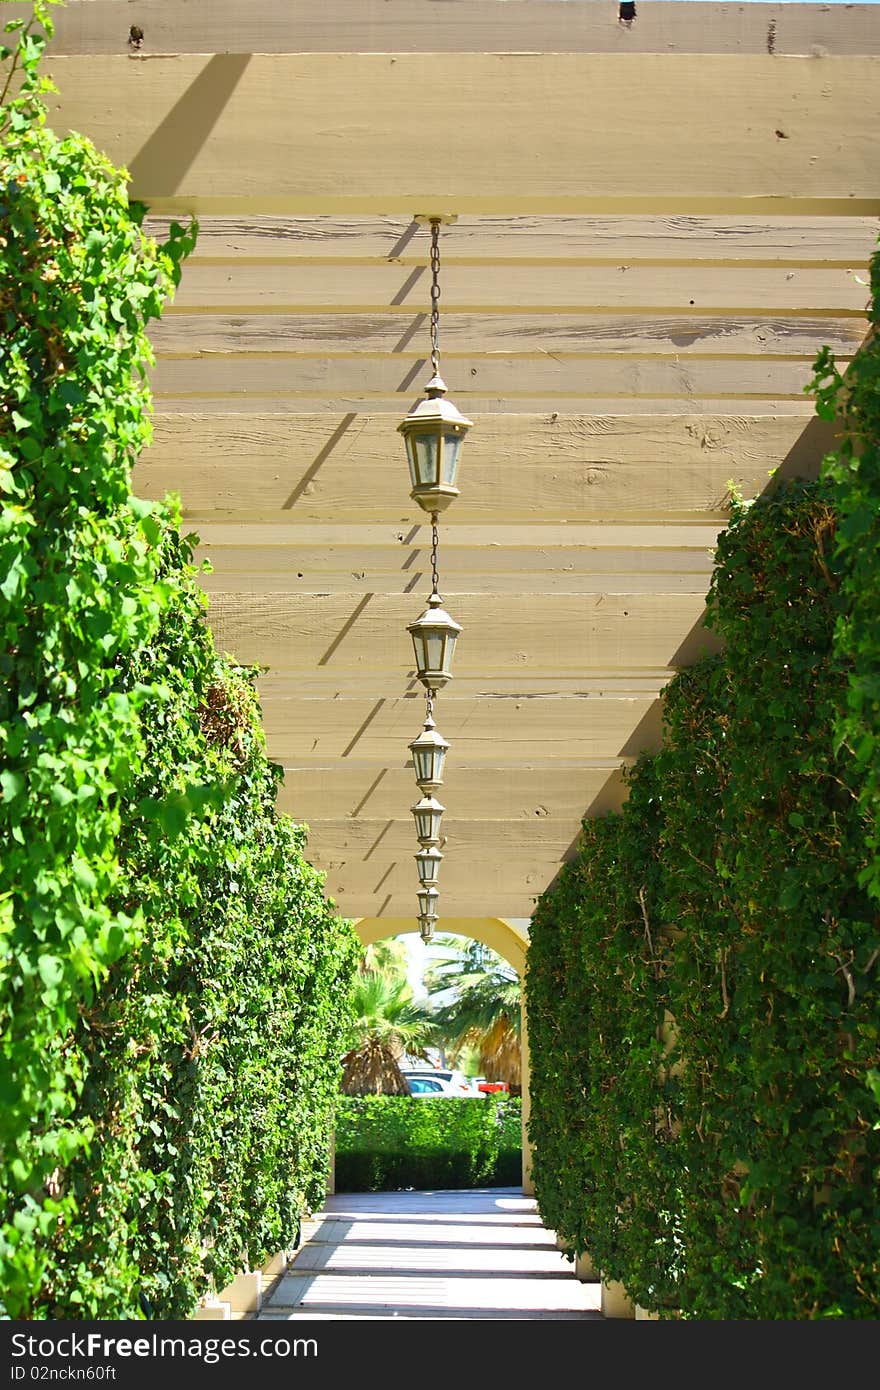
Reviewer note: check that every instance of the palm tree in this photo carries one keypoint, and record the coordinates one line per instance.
(484, 1011)
(387, 1023)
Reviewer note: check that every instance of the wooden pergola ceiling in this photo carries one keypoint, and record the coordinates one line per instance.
(657, 229)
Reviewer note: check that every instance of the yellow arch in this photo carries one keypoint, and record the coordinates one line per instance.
(507, 938)
(510, 940)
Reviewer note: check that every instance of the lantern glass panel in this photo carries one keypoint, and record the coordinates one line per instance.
(451, 450)
(427, 819)
(428, 764)
(428, 866)
(427, 899)
(425, 450)
(434, 642)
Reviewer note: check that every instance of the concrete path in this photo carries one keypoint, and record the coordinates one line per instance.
(472, 1254)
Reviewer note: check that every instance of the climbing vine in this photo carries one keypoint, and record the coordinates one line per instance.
(706, 1107)
(173, 981)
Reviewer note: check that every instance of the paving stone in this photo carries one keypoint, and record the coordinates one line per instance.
(463, 1254)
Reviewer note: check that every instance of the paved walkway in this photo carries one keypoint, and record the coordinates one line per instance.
(473, 1254)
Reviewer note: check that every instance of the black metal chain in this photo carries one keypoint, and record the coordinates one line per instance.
(435, 581)
(435, 541)
(435, 298)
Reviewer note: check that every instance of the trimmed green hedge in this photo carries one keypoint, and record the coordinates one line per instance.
(173, 982)
(702, 979)
(385, 1143)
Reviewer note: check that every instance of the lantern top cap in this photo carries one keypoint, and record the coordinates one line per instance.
(430, 853)
(434, 410)
(435, 615)
(429, 737)
(427, 803)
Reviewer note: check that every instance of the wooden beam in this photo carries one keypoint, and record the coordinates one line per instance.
(530, 791)
(359, 632)
(558, 132)
(273, 26)
(313, 732)
(526, 334)
(555, 465)
(475, 901)
(251, 578)
(585, 404)
(302, 567)
(648, 538)
(704, 288)
(374, 859)
(554, 376)
(283, 688)
(842, 241)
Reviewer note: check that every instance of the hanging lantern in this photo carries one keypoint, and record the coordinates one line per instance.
(426, 927)
(434, 635)
(434, 431)
(428, 813)
(428, 863)
(429, 755)
(428, 902)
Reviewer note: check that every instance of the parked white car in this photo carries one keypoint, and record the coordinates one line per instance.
(430, 1086)
(456, 1080)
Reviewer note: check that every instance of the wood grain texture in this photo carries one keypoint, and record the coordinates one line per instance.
(545, 727)
(275, 26)
(525, 334)
(528, 792)
(576, 467)
(376, 857)
(647, 538)
(700, 288)
(478, 404)
(845, 241)
(301, 566)
(213, 132)
(554, 376)
(458, 906)
(257, 577)
(542, 636)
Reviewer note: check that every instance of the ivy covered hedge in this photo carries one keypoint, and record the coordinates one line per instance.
(386, 1143)
(173, 981)
(703, 979)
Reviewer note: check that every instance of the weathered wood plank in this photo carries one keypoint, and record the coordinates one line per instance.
(524, 333)
(477, 405)
(546, 727)
(301, 563)
(356, 838)
(558, 635)
(376, 857)
(458, 906)
(844, 241)
(646, 538)
(701, 288)
(341, 685)
(256, 577)
(690, 134)
(560, 792)
(572, 466)
(555, 375)
(385, 883)
(274, 26)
